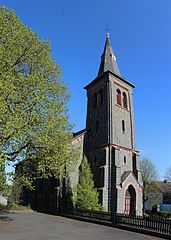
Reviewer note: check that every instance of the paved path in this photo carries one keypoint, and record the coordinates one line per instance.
(38, 226)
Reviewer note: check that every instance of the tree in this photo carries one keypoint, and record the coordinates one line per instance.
(34, 123)
(168, 174)
(87, 195)
(2, 179)
(149, 178)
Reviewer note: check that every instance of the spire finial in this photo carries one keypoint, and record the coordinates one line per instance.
(107, 30)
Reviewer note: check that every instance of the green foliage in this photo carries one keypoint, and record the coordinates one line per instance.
(166, 215)
(152, 194)
(87, 195)
(14, 207)
(3, 208)
(34, 123)
(2, 178)
(149, 177)
(14, 197)
(18, 207)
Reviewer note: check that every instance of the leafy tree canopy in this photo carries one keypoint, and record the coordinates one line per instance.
(33, 113)
(149, 178)
(168, 174)
(148, 170)
(87, 195)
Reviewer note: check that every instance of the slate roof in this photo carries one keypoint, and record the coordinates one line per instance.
(79, 133)
(108, 59)
(165, 188)
(108, 65)
(125, 175)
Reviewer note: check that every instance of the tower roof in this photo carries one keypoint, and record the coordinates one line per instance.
(108, 59)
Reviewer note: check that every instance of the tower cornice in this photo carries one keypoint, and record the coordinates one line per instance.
(107, 73)
(115, 146)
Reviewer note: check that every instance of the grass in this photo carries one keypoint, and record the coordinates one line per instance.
(166, 215)
(14, 207)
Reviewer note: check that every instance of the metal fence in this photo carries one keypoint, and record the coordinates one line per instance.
(94, 215)
(151, 223)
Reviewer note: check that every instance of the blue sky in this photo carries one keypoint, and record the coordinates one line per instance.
(141, 39)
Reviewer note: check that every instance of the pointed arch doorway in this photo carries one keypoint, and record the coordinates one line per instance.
(130, 201)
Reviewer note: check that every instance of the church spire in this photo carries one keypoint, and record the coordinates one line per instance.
(108, 59)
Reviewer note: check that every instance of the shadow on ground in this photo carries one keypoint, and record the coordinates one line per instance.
(5, 218)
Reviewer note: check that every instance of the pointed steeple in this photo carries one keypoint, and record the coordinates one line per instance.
(108, 59)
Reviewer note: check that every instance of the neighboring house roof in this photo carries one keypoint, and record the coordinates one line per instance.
(78, 137)
(165, 188)
(79, 133)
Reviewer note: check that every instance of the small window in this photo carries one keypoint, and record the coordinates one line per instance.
(124, 160)
(97, 127)
(125, 105)
(118, 97)
(100, 97)
(95, 100)
(123, 126)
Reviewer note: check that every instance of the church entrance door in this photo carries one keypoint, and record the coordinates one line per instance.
(130, 201)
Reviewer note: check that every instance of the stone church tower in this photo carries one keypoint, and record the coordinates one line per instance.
(109, 141)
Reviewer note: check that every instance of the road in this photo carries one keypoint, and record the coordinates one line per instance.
(38, 226)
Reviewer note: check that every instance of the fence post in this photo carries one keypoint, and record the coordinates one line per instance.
(113, 218)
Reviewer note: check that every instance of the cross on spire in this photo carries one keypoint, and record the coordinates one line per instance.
(107, 34)
(107, 30)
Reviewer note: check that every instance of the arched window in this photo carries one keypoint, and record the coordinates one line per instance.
(125, 105)
(118, 97)
(123, 126)
(95, 100)
(100, 97)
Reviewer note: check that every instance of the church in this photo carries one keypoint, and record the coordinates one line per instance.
(108, 140)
